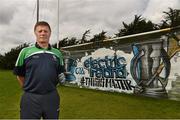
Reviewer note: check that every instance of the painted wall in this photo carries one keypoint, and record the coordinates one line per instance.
(147, 68)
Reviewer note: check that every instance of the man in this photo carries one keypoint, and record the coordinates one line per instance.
(37, 69)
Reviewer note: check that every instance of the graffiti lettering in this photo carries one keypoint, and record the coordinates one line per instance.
(109, 67)
(79, 70)
(105, 83)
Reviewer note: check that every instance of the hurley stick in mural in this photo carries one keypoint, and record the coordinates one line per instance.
(144, 67)
(149, 60)
(172, 48)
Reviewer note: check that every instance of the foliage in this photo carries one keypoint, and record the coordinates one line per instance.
(72, 41)
(8, 60)
(84, 36)
(138, 25)
(171, 18)
(99, 37)
(63, 42)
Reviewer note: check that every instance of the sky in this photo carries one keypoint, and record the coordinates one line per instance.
(17, 17)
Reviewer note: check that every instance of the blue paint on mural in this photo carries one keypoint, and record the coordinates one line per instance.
(109, 67)
(70, 67)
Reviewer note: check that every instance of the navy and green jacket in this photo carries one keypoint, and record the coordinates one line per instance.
(40, 67)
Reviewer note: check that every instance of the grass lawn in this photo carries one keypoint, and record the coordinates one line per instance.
(85, 103)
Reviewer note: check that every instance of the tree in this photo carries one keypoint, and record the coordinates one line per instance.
(99, 37)
(1, 60)
(138, 25)
(72, 41)
(171, 18)
(9, 59)
(84, 36)
(63, 42)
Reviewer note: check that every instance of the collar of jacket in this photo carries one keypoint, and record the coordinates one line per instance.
(49, 46)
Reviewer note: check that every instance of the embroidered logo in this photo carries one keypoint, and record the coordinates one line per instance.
(35, 56)
(54, 58)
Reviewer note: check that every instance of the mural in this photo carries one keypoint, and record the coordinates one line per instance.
(144, 68)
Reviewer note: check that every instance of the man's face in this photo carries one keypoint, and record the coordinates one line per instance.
(43, 34)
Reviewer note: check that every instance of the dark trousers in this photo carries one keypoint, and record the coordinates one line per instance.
(35, 106)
